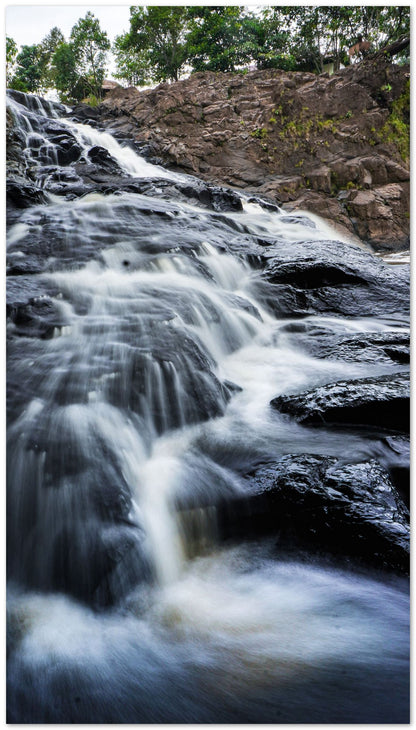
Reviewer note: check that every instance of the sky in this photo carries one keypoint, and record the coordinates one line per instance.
(28, 24)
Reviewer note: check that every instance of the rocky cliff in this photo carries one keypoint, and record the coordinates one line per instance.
(335, 145)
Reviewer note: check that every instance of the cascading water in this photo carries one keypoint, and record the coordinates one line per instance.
(141, 370)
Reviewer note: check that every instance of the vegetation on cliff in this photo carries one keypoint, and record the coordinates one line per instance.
(165, 42)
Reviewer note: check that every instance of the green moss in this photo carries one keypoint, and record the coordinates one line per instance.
(259, 133)
(92, 100)
(396, 129)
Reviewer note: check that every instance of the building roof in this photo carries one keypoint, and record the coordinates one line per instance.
(107, 85)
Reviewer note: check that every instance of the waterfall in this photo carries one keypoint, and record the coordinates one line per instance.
(145, 348)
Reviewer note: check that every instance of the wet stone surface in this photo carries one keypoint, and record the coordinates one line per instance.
(319, 504)
(381, 402)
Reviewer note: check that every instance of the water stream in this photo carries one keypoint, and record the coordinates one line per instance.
(148, 401)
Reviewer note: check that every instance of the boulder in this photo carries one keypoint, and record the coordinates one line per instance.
(330, 276)
(36, 318)
(381, 403)
(22, 193)
(318, 504)
(323, 342)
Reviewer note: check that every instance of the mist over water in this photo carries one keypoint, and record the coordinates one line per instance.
(145, 404)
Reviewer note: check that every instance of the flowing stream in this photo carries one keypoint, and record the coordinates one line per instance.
(144, 407)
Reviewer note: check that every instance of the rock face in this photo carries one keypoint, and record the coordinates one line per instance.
(321, 504)
(381, 402)
(327, 144)
(332, 277)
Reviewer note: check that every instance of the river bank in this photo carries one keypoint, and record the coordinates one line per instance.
(335, 145)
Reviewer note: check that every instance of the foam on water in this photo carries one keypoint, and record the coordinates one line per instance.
(128, 412)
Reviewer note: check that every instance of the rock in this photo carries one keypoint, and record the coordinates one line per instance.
(21, 193)
(67, 149)
(329, 276)
(321, 341)
(92, 548)
(36, 318)
(168, 380)
(316, 503)
(381, 403)
(100, 157)
(298, 138)
(398, 464)
(377, 214)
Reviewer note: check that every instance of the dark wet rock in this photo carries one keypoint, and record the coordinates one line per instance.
(323, 342)
(36, 318)
(87, 179)
(24, 266)
(397, 462)
(21, 193)
(100, 157)
(329, 276)
(399, 353)
(377, 402)
(67, 149)
(92, 549)
(168, 380)
(316, 503)
(84, 113)
(35, 103)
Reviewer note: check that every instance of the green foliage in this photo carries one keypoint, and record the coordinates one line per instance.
(65, 72)
(92, 100)
(259, 133)
(11, 53)
(216, 40)
(154, 48)
(90, 44)
(47, 48)
(396, 129)
(18, 84)
(131, 65)
(28, 76)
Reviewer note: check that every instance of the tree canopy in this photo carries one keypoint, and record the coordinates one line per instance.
(164, 42)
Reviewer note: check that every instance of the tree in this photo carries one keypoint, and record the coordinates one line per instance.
(132, 65)
(66, 79)
(28, 76)
(316, 33)
(89, 44)
(48, 46)
(11, 53)
(216, 41)
(155, 47)
(270, 40)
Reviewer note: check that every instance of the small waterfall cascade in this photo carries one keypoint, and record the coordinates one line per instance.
(144, 351)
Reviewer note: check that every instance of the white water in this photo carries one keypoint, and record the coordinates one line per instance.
(126, 157)
(239, 634)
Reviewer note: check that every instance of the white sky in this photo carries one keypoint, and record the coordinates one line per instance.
(28, 24)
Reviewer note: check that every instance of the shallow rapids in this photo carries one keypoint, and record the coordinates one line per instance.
(238, 637)
(140, 383)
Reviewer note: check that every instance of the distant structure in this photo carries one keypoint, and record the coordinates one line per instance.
(108, 86)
